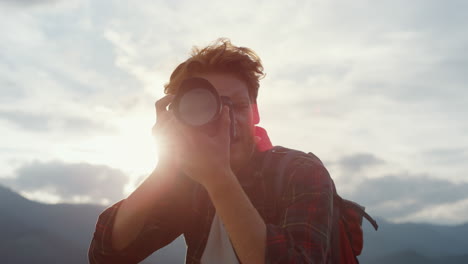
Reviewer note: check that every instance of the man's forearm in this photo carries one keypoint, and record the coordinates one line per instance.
(133, 212)
(245, 227)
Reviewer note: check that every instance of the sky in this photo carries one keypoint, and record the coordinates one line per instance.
(376, 89)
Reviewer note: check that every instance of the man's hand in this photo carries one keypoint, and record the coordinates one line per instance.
(200, 156)
(166, 134)
(205, 158)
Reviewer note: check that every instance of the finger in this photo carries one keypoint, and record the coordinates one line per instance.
(162, 114)
(226, 120)
(161, 104)
(224, 125)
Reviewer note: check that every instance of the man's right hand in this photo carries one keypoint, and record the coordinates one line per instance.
(166, 134)
(168, 139)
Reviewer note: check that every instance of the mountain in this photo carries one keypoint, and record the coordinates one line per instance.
(424, 242)
(32, 232)
(39, 233)
(412, 257)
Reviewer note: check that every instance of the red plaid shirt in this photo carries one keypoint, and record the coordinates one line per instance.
(298, 232)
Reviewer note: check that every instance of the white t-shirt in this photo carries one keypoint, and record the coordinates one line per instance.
(218, 248)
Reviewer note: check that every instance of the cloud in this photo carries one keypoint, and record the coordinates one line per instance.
(380, 85)
(35, 122)
(10, 91)
(26, 121)
(58, 57)
(71, 182)
(399, 196)
(27, 2)
(438, 78)
(357, 162)
(388, 190)
(446, 156)
(447, 213)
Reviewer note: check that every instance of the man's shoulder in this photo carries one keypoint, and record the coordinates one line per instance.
(302, 169)
(294, 157)
(301, 174)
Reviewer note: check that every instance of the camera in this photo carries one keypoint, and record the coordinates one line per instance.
(198, 105)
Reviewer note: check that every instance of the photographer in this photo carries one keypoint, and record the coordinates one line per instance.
(211, 184)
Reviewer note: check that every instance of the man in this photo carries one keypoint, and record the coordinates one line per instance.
(211, 188)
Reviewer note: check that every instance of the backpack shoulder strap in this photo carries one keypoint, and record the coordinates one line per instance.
(359, 209)
(275, 163)
(279, 179)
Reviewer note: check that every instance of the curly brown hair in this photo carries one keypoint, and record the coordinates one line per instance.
(220, 57)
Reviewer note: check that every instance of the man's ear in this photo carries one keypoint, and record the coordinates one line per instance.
(256, 115)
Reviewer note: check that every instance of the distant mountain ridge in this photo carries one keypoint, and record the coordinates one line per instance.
(40, 233)
(33, 232)
(412, 243)
(425, 239)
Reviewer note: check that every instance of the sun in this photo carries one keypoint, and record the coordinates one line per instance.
(130, 147)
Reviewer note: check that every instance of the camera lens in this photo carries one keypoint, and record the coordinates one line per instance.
(198, 104)
(198, 107)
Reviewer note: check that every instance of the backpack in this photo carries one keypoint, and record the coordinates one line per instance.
(347, 236)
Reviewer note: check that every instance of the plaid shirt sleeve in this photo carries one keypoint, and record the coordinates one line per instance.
(304, 231)
(161, 228)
